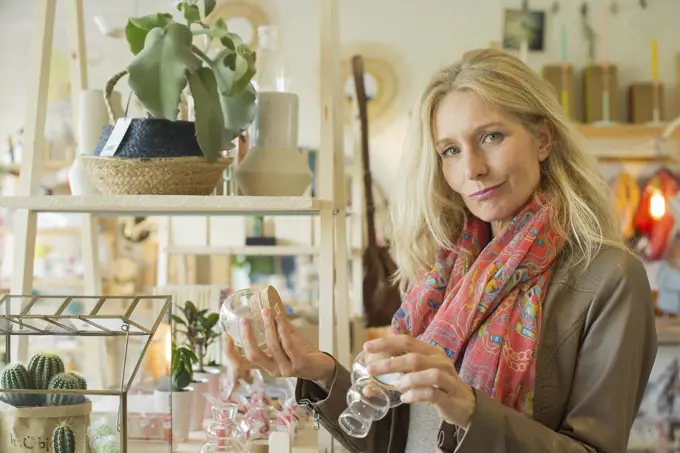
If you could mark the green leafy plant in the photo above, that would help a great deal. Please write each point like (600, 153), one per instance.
(181, 367)
(199, 328)
(166, 61)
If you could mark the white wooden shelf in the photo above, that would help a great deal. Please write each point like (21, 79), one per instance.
(166, 205)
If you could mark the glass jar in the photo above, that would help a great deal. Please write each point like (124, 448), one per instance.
(223, 434)
(272, 74)
(370, 397)
(244, 303)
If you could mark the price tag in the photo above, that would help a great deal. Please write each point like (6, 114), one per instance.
(116, 137)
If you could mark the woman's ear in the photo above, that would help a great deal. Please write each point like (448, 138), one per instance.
(544, 137)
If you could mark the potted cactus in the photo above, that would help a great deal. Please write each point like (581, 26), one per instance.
(34, 415)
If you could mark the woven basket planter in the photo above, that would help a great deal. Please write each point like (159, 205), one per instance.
(155, 157)
(158, 176)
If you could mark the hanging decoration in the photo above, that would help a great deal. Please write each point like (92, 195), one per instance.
(653, 219)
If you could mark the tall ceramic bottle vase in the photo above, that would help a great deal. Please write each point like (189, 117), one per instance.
(274, 166)
(93, 116)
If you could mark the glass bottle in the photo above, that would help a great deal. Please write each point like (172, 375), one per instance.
(272, 74)
(223, 434)
(370, 397)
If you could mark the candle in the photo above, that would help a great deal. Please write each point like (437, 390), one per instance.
(604, 34)
(564, 42)
(655, 61)
(524, 50)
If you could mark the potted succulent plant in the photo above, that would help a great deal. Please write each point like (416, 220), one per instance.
(166, 66)
(177, 390)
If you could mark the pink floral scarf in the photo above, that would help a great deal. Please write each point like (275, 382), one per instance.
(482, 303)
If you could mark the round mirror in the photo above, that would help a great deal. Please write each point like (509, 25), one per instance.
(380, 81)
(370, 83)
(242, 27)
(242, 18)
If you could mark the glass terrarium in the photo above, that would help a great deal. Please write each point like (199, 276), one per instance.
(248, 304)
(74, 369)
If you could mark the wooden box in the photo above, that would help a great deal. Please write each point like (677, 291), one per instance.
(594, 79)
(641, 103)
(554, 75)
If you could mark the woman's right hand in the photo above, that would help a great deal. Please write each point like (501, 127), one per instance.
(288, 353)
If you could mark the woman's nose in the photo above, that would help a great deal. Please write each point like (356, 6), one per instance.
(475, 165)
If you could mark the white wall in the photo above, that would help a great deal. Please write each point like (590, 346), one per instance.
(423, 34)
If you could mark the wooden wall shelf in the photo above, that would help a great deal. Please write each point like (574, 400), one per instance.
(623, 131)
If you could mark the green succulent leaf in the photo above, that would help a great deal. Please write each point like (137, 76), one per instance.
(210, 321)
(138, 27)
(191, 13)
(157, 75)
(209, 6)
(244, 68)
(239, 110)
(209, 119)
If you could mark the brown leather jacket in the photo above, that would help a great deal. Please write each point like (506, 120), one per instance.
(598, 345)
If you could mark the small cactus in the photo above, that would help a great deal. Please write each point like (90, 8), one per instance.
(63, 439)
(43, 367)
(70, 381)
(110, 447)
(98, 433)
(16, 376)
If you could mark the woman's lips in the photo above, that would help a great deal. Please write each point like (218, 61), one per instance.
(485, 193)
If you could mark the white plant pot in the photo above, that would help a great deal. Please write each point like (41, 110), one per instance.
(199, 403)
(182, 405)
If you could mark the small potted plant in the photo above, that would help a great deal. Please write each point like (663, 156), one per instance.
(177, 391)
(166, 66)
(198, 327)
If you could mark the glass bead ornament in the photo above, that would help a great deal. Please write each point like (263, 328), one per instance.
(370, 398)
(248, 304)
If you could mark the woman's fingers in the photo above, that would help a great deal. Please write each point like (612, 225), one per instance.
(433, 377)
(274, 345)
(286, 334)
(395, 345)
(408, 363)
(253, 352)
(424, 395)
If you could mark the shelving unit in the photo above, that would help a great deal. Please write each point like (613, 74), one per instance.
(623, 131)
(330, 206)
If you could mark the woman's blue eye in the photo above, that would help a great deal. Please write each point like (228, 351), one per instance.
(450, 151)
(493, 137)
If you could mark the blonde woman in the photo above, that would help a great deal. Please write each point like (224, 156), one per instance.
(526, 326)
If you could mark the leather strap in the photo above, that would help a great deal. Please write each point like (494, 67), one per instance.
(360, 89)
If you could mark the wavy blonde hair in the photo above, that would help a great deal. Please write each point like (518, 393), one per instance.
(427, 215)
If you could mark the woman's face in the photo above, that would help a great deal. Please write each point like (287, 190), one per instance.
(488, 156)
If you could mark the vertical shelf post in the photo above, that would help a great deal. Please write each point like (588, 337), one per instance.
(25, 220)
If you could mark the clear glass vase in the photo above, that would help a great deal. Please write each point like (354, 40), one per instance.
(272, 73)
(370, 397)
(223, 434)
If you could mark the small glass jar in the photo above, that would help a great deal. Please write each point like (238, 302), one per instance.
(244, 303)
(370, 397)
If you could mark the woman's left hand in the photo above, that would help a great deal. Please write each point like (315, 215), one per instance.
(428, 376)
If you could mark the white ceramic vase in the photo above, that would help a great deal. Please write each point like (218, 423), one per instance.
(274, 166)
(200, 387)
(181, 410)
